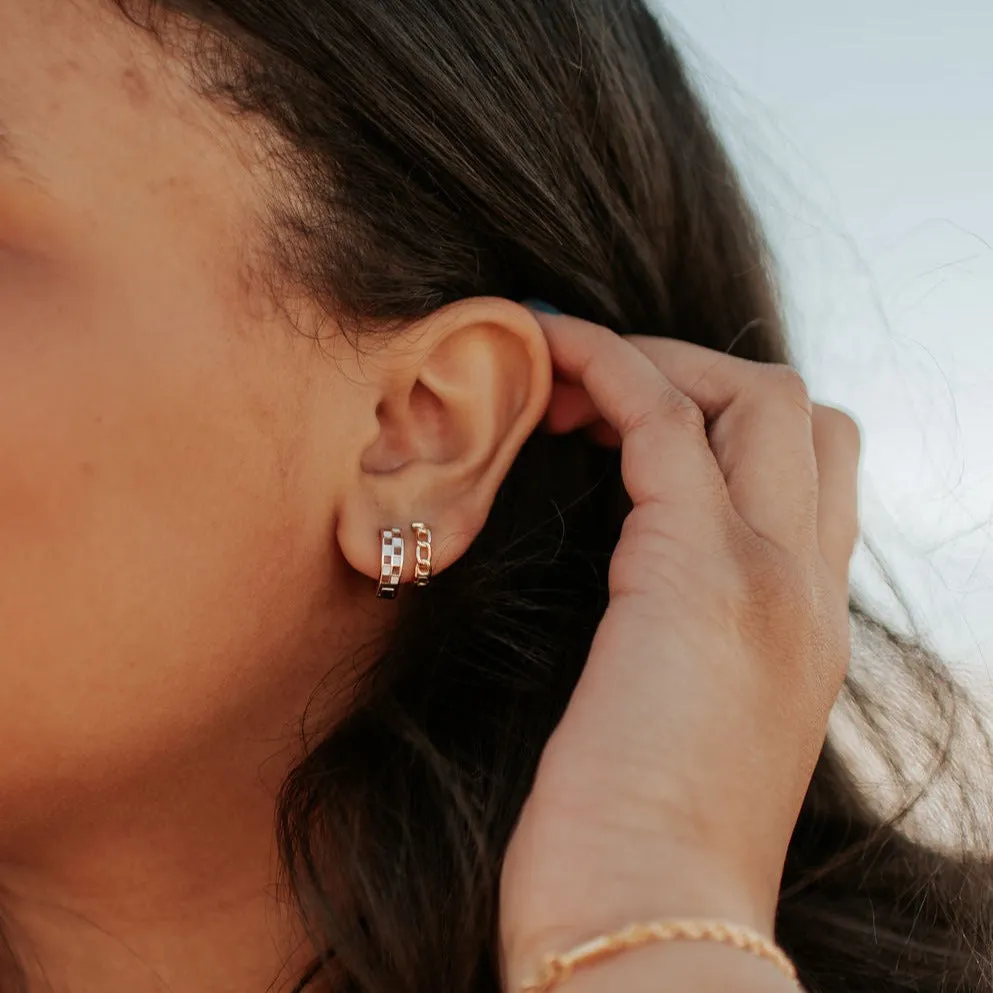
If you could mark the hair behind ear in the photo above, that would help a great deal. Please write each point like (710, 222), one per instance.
(506, 149)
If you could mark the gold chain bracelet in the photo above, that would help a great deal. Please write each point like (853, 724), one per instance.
(557, 969)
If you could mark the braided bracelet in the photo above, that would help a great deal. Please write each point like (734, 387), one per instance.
(557, 969)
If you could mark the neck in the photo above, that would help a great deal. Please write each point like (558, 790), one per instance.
(157, 871)
(175, 889)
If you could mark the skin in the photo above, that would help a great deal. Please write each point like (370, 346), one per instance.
(672, 785)
(189, 505)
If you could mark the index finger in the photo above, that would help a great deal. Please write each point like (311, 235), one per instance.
(665, 455)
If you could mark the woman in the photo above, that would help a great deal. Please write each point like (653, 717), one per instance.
(259, 266)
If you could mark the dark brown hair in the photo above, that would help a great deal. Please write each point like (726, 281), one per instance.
(442, 149)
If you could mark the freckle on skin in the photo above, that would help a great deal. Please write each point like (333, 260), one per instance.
(136, 86)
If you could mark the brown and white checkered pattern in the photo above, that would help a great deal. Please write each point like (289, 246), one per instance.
(391, 563)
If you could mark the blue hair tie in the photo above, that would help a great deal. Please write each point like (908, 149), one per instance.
(541, 305)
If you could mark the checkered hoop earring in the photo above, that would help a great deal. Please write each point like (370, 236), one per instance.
(390, 563)
(422, 553)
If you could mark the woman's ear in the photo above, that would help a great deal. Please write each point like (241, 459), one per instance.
(456, 396)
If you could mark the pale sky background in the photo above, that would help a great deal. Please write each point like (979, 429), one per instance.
(865, 133)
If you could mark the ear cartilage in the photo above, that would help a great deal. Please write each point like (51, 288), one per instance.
(390, 563)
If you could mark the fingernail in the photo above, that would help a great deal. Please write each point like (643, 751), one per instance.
(545, 308)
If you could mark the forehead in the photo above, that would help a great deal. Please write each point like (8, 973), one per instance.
(78, 63)
(50, 45)
(58, 67)
(99, 115)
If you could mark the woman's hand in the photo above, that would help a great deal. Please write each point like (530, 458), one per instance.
(672, 785)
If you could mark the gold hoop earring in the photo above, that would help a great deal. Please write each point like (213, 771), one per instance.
(390, 563)
(422, 553)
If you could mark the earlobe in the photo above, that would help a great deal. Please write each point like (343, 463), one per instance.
(458, 395)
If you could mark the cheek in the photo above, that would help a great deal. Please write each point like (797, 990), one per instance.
(151, 524)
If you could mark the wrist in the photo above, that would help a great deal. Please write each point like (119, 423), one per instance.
(707, 892)
(673, 967)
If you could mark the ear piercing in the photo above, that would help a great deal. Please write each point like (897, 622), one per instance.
(422, 553)
(391, 559)
(390, 563)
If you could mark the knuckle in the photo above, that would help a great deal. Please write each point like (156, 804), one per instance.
(670, 407)
(789, 384)
(841, 425)
(680, 409)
